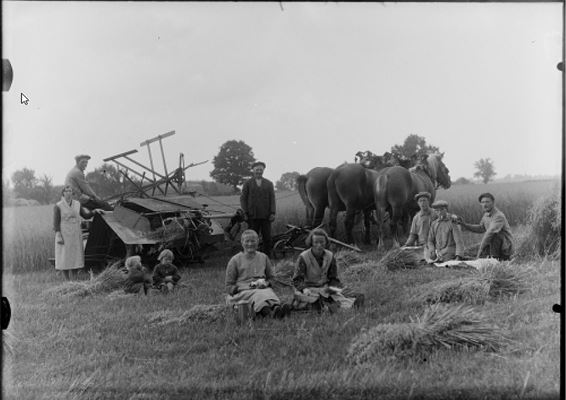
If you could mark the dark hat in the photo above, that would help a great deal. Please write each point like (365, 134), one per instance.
(440, 204)
(422, 194)
(486, 195)
(81, 156)
(258, 163)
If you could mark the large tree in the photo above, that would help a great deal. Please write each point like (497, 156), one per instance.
(232, 165)
(413, 147)
(44, 190)
(24, 181)
(485, 169)
(288, 181)
(107, 181)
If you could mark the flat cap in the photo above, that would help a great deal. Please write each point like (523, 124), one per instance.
(422, 194)
(81, 156)
(486, 195)
(440, 204)
(255, 164)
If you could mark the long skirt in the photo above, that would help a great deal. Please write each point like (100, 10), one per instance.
(258, 298)
(302, 300)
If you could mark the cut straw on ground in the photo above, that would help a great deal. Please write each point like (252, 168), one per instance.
(111, 279)
(197, 313)
(502, 279)
(457, 327)
(400, 258)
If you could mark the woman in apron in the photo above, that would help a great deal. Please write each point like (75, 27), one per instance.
(69, 250)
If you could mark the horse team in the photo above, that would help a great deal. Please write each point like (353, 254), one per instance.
(372, 184)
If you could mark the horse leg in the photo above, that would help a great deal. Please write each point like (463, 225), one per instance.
(367, 226)
(309, 213)
(382, 227)
(318, 216)
(396, 219)
(349, 224)
(332, 222)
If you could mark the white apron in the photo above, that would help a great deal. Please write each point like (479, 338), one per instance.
(70, 255)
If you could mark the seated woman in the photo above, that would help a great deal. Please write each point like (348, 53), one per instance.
(316, 277)
(247, 280)
(165, 274)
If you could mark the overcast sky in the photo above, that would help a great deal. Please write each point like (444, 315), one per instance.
(305, 86)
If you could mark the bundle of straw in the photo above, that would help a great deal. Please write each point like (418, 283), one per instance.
(112, 278)
(440, 326)
(459, 326)
(505, 280)
(492, 281)
(463, 290)
(346, 258)
(396, 259)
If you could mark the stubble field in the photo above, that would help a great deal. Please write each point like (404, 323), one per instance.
(140, 347)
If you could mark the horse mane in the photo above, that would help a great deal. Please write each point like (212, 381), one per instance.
(429, 167)
(433, 165)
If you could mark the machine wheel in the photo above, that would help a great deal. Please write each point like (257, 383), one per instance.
(280, 249)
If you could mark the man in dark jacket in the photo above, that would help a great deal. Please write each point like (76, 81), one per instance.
(258, 202)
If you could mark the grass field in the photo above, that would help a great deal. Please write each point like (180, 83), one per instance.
(137, 347)
(28, 236)
(105, 347)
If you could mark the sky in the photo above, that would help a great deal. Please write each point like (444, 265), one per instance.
(303, 84)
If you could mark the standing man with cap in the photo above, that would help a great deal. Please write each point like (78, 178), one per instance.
(258, 202)
(497, 241)
(81, 188)
(445, 236)
(418, 235)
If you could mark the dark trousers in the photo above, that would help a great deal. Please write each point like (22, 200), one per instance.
(91, 204)
(263, 228)
(495, 249)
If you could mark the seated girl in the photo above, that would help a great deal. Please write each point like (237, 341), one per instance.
(316, 277)
(248, 277)
(165, 274)
(138, 277)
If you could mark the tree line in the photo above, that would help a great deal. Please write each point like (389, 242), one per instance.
(231, 169)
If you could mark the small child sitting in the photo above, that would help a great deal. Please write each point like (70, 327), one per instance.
(138, 276)
(165, 274)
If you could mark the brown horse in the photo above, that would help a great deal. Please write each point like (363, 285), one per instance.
(312, 188)
(350, 189)
(395, 188)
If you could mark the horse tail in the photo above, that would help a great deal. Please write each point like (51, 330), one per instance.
(381, 205)
(301, 187)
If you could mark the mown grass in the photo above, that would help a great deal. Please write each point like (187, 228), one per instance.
(106, 347)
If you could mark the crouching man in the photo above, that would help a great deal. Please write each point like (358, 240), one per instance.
(248, 276)
(316, 277)
(497, 241)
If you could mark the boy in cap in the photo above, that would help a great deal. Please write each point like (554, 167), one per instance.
(445, 237)
(420, 225)
(497, 241)
(81, 188)
(258, 202)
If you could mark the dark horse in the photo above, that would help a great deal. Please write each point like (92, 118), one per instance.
(350, 189)
(312, 188)
(395, 188)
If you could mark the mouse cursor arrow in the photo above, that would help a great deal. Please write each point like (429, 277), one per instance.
(24, 99)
